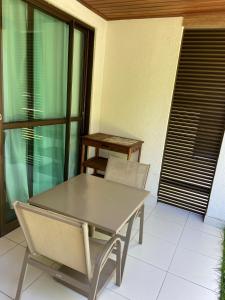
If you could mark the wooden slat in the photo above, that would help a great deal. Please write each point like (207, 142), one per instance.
(197, 122)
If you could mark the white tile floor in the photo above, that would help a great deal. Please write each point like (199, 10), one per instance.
(179, 260)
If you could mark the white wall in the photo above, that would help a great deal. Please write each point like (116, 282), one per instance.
(140, 67)
(216, 209)
(82, 13)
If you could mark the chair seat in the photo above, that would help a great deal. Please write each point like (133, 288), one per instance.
(96, 247)
(83, 284)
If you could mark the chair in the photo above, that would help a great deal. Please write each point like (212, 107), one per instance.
(130, 173)
(85, 265)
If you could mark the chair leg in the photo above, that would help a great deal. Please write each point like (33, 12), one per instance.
(22, 275)
(141, 229)
(94, 286)
(118, 264)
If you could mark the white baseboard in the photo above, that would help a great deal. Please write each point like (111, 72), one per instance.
(214, 222)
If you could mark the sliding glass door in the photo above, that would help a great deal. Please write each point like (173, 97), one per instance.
(44, 89)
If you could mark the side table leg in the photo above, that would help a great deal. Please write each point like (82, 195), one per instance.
(139, 154)
(129, 155)
(96, 155)
(82, 159)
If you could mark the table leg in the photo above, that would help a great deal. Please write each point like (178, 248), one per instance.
(142, 213)
(91, 230)
(126, 243)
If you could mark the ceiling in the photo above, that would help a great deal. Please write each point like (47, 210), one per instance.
(132, 9)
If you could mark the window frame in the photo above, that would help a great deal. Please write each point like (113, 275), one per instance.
(84, 112)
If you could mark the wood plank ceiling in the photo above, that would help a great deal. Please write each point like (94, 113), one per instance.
(132, 9)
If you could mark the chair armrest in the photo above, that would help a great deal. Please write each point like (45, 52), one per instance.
(107, 250)
(101, 261)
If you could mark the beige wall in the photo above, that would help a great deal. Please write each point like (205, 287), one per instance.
(139, 74)
(79, 11)
(139, 60)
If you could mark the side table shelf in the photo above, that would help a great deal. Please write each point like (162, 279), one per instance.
(96, 163)
(107, 142)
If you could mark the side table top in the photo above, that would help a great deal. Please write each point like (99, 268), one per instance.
(112, 140)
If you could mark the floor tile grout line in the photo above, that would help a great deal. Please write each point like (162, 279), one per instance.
(199, 230)
(161, 269)
(146, 218)
(3, 293)
(168, 272)
(11, 240)
(157, 267)
(170, 222)
(149, 233)
(175, 251)
(191, 250)
(185, 279)
(36, 279)
(165, 271)
(9, 250)
(162, 285)
(178, 242)
(160, 238)
(115, 292)
(200, 253)
(147, 263)
(196, 228)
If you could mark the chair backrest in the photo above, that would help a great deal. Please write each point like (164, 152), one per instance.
(127, 172)
(62, 239)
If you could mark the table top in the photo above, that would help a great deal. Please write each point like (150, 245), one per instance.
(99, 202)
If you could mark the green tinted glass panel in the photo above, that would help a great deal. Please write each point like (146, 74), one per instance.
(33, 157)
(78, 54)
(49, 155)
(14, 23)
(50, 66)
(16, 171)
(74, 150)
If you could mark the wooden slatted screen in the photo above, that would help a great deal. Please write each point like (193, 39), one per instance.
(197, 119)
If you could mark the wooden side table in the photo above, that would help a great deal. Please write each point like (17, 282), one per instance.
(107, 142)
